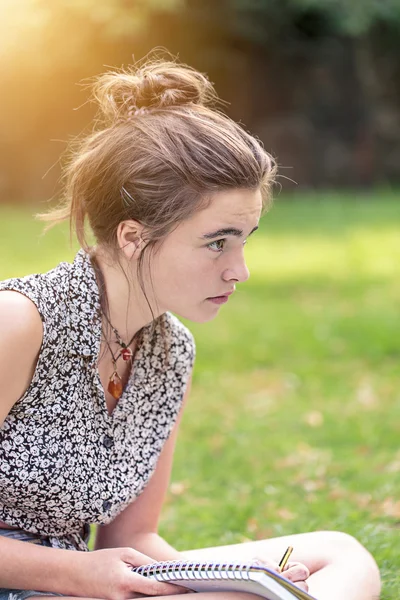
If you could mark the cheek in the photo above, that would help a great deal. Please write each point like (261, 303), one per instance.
(192, 274)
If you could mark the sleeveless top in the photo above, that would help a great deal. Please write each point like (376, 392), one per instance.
(64, 461)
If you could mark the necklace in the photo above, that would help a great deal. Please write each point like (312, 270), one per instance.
(115, 387)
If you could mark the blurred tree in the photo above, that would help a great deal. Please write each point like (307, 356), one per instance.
(318, 80)
(45, 48)
(306, 75)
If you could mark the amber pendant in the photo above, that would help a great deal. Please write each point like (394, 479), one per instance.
(126, 354)
(115, 386)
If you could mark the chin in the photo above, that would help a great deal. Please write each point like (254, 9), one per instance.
(202, 319)
(199, 316)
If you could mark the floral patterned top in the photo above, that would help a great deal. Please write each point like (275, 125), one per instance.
(65, 462)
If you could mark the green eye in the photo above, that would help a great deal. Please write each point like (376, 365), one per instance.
(217, 246)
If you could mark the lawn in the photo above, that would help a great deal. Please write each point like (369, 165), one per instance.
(294, 421)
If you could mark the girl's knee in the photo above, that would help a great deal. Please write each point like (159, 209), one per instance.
(342, 547)
(341, 544)
(347, 550)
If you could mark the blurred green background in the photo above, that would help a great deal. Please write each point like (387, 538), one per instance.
(317, 80)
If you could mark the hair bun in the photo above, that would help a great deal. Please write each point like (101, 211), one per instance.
(156, 84)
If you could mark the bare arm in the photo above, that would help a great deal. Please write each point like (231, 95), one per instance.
(137, 525)
(101, 574)
(34, 567)
(21, 334)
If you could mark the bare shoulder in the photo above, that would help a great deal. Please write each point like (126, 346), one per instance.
(19, 312)
(21, 334)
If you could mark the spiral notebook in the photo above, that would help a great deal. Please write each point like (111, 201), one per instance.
(224, 577)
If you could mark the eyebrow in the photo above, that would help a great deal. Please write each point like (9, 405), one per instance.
(226, 231)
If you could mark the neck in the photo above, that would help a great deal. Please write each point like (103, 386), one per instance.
(127, 308)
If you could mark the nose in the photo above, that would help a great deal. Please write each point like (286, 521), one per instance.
(238, 271)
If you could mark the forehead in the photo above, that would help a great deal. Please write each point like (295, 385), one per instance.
(230, 208)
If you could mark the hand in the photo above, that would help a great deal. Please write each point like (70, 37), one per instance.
(108, 574)
(295, 572)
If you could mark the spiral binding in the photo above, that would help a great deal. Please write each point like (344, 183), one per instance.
(174, 569)
(186, 571)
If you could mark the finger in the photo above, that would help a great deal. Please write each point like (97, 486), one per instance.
(291, 565)
(134, 558)
(302, 585)
(151, 587)
(296, 572)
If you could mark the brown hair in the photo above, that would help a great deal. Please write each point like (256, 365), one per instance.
(159, 149)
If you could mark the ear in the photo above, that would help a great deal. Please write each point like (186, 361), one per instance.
(129, 238)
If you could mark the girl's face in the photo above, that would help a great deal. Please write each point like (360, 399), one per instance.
(201, 261)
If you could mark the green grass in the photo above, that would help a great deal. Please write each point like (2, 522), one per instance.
(294, 421)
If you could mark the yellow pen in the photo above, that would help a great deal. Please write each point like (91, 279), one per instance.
(285, 558)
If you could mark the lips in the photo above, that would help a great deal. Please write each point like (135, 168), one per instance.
(221, 295)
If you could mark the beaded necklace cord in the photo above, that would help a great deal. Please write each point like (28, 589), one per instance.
(115, 387)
